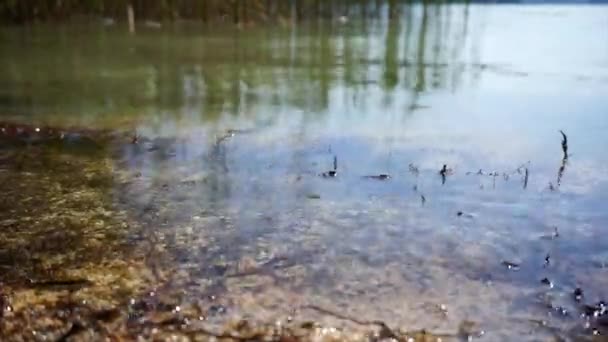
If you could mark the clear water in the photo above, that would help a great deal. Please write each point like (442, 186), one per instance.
(474, 87)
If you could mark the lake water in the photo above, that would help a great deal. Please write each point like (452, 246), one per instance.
(220, 205)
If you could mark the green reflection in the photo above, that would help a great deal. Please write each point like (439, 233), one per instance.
(104, 77)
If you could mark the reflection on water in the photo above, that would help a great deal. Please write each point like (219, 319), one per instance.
(194, 70)
(207, 178)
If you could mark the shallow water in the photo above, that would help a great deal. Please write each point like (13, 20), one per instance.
(193, 211)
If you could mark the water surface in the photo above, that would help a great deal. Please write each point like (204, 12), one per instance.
(194, 210)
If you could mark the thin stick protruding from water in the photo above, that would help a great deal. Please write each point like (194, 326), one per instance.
(564, 144)
(335, 163)
(562, 167)
(443, 172)
(526, 177)
(560, 171)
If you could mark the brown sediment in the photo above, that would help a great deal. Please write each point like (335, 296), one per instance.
(129, 248)
(66, 237)
(59, 284)
(267, 267)
(22, 131)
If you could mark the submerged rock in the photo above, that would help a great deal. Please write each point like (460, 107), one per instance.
(578, 294)
(330, 174)
(546, 281)
(510, 265)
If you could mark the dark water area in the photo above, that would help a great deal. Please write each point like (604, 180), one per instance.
(211, 174)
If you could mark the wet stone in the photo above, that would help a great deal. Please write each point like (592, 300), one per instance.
(330, 174)
(510, 265)
(216, 310)
(598, 310)
(578, 294)
(220, 269)
(546, 281)
(561, 311)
